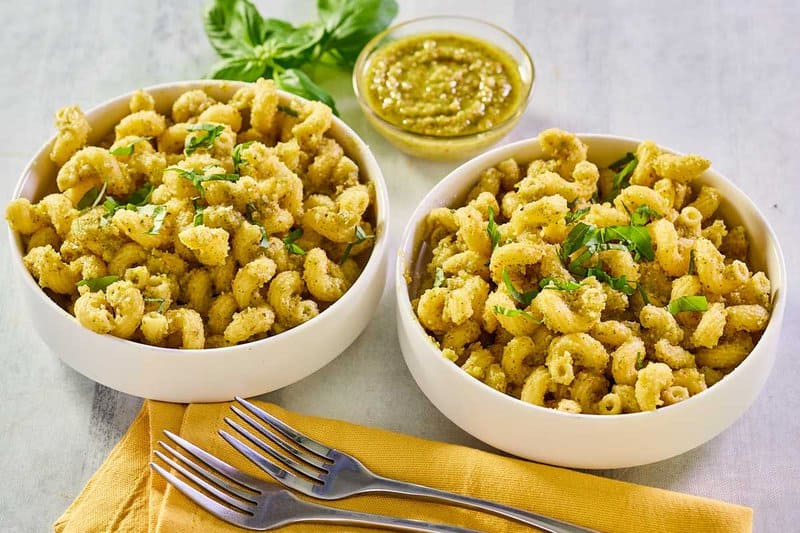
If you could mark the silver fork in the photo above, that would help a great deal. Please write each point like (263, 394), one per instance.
(329, 474)
(251, 503)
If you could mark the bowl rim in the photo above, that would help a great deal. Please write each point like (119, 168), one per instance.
(371, 46)
(473, 167)
(369, 271)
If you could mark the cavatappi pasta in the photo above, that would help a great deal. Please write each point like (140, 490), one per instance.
(216, 224)
(591, 290)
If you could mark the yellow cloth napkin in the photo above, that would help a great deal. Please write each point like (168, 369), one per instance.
(125, 497)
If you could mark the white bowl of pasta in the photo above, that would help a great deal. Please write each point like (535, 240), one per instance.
(587, 317)
(187, 225)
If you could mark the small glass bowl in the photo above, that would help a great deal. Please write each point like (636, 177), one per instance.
(444, 148)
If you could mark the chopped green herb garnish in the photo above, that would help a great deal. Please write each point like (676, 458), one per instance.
(525, 298)
(128, 149)
(92, 197)
(289, 242)
(620, 163)
(195, 142)
(688, 303)
(622, 176)
(251, 210)
(141, 195)
(198, 179)
(618, 284)
(288, 110)
(642, 215)
(360, 236)
(499, 310)
(97, 284)
(198, 212)
(691, 263)
(157, 213)
(559, 284)
(160, 301)
(438, 278)
(642, 293)
(572, 217)
(237, 155)
(491, 229)
(639, 360)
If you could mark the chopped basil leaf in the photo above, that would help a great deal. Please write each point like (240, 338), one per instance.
(128, 149)
(491, 229)
(195, 142)
(141, 195)
(198, 213)
(198, 179)
(642, 293)
(157, 213)
(576, 239)
(438, 278)
(92, 197)
(237, 155)
(576, 216)
(361, 236)
(688, 303)
(639, 360)
(622, 178)
(97, 284)
(289, 242)
(288, 110)
(559, 284)
(642, 215)
(499, 310)
(618, 284)
(525, 298)
(620, 163)
(691, 263)
(160, 301)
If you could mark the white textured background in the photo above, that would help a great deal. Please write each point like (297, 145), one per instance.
(718, 78)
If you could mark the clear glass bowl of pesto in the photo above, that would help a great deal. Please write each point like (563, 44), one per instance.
(443, 87)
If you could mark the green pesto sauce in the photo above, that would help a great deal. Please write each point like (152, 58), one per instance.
(443, 84)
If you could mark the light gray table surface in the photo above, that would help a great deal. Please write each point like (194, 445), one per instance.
(717, 78)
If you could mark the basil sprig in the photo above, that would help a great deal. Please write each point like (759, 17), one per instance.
(252, 47)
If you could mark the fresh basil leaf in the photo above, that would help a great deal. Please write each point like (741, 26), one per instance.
(620, 163)
(288, 110)
(622, 178)
(576, 216)
(237, 155)
(160, 301)
(559, 284)
(290, 242)
(195, 142)
(97, 284)
(128, 149)
(141, 196)
(297, 82)
(499, 310)
(350, 24)
(636, 238)
(157, 213)
(640, 361)
(218, 20)
(525, 298)
(618, 284)
(198, 179)
(90, 198)
(492, 230)
(247, 22)
(293, 47)
(438, 278)
(360, 236)
(576, 239)
(642, 215)
(688, 303)
(241, 68)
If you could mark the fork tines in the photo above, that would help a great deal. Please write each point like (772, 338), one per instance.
(223, 490)
(303, 456)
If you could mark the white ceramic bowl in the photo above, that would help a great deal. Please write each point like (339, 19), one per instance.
(216, 374)
(586, 441)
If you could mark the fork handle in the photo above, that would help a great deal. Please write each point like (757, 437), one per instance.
(545, 523)
(320, 513)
